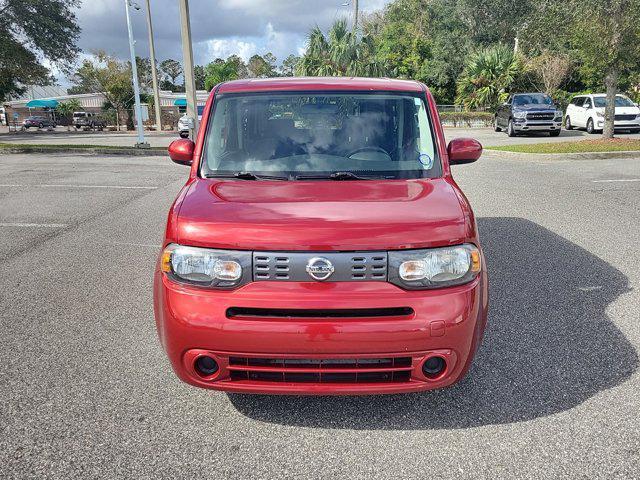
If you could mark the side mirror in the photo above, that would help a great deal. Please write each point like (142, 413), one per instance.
(463, 150)
(181, 151)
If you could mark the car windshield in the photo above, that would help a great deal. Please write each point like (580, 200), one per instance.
(298, 135)
(601, 102)
(532, 99)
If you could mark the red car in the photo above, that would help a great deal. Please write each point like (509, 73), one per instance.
(320, 244)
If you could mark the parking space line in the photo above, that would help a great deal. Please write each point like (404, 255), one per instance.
(617, 180)
(61, 185)
(34, 225)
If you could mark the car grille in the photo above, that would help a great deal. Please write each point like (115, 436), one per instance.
(349, 266)
(306, 370)
(625, 117)
(541, 116)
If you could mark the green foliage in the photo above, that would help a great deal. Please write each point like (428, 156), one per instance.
(220, 71)
(262, 66)
(340, 53)
(467, 119)
(289, 65)
(488, 77)
(30, 32)
(170, 70)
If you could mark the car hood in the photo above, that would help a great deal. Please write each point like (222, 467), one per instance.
(536, 107)
(322, 215)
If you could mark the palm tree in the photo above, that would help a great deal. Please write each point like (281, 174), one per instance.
(340, 53)
(488, 76)
(66, 109)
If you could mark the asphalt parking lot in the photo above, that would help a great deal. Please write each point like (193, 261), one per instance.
(86, 391)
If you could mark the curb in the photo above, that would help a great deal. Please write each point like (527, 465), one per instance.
(565, 156)
(84, 150)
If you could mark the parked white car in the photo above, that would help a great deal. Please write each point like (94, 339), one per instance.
(587, 111)
(184, 123)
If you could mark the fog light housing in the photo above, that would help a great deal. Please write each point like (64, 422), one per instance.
(206, 366)
(433, 366)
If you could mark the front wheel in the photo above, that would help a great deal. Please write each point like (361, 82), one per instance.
(40, 125)
(496, 127)
(590, 128)
(567, 124)
(510, 129)
(554, 133)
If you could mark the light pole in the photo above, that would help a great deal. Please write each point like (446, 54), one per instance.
(134, 73)
(187, 54)
(355, 16)
(154, 73)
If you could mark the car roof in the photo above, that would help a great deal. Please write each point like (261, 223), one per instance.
(319, 83)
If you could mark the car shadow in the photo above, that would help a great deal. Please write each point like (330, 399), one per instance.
(549, 345)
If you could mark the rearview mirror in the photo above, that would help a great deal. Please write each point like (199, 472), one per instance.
(181, 151)
(463, 150)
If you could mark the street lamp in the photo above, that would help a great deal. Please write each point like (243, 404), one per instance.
(154, 73)
(134, 73)
(187, 56)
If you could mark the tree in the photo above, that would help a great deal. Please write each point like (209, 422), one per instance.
(200, 77)
(145, 79)
(31, 32)
(171, 70)
(289, 65)
(220, 71)
(111, 77)
(552, 69)
(488, 76)
(66, 109)
(340, 53)
(262, 66)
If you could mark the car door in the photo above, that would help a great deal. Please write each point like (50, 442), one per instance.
(586, 111)
(504, 112)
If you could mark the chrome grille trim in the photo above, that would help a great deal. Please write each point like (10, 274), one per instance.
(291, 266)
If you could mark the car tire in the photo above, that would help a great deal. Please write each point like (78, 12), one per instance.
(554, 133)
(496, 128)
(40, 125)
(590, 127)
(184, 134)
(510, 129)
(567, 124)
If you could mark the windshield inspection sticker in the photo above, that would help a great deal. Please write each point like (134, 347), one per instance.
(425, 160)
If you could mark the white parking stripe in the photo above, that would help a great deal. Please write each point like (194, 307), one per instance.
(617, 180)
(34, 225)
(131, 187)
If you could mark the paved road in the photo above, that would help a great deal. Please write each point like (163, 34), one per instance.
(486, 136)
(86, 392)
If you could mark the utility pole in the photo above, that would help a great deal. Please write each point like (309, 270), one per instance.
(187, 58)
(134, 73)
(355, 16)
(154, 73)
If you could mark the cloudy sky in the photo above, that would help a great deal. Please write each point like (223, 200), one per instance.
(219, 27)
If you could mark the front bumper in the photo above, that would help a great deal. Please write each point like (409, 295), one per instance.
(536, 126)
(192, 322)
(621, 124)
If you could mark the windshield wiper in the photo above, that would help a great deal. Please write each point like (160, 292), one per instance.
(246, 176)
(337, 176)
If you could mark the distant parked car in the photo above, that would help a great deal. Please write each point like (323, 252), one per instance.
(587, 111)
(183, 123)
(529, 112)
(88, 120)
(38, 122)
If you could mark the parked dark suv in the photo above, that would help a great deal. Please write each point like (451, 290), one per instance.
(529, 112)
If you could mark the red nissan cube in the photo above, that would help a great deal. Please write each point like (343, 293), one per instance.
(321, 244)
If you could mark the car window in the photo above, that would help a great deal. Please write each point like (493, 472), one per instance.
(532, 99)
(290, 134)
(601, 102)
(587, 103)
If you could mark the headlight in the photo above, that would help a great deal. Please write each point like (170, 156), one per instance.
(519, 114)
(206, 267)
(434, 268)
(559, 114)
(600, 114)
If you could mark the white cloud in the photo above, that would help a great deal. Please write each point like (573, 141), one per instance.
(223, 47)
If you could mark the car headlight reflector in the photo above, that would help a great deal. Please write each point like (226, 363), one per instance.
(519, 114)
(206, 267)
(600, 114)
(434, 268)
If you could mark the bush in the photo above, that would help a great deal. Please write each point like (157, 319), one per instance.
(467, 119)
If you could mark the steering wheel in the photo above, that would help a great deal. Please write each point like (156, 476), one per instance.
(369, 149)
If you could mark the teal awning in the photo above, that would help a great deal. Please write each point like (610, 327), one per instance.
(42, 104)
(180, 102)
